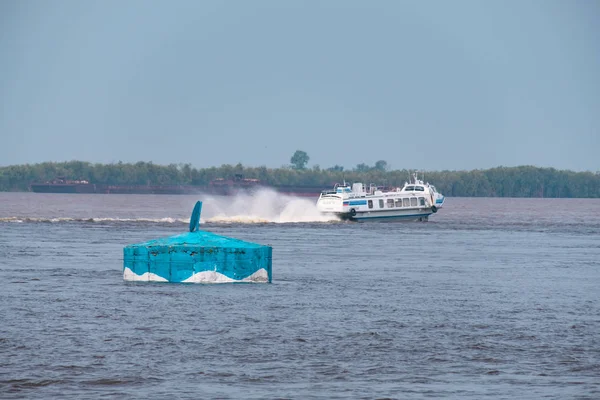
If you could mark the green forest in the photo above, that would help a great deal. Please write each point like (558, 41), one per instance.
(521, 181)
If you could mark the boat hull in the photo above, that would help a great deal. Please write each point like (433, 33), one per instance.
(387, 216)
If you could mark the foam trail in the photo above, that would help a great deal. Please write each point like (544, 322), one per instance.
(53, 220)
(263, 206)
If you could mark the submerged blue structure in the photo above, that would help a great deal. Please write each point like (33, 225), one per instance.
(197, 257)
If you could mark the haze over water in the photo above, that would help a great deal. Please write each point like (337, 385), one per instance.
(491, 297)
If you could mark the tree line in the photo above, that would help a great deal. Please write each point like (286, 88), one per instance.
(521, 181)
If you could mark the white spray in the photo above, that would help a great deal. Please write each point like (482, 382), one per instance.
(265, 205)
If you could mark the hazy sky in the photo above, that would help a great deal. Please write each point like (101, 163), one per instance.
(420, 84)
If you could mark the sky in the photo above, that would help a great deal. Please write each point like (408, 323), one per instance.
(429, 85)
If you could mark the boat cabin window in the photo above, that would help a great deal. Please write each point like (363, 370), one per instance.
(370, 203)
(421, 201)
(409, 188)
(405, 202)
(390, 203)
(413, 201)
(380, 203)
(398, 202)
(419, 188)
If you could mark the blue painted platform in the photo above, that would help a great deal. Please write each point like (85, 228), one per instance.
(197, 257)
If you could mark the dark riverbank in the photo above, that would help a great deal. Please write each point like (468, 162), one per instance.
(142, 177)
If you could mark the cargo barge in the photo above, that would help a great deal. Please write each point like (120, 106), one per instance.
(219, 187)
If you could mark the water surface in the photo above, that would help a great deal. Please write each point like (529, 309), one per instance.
(491, 297)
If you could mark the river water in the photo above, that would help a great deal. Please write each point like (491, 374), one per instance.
(494, 298)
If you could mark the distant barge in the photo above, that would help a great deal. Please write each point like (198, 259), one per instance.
(219, 187)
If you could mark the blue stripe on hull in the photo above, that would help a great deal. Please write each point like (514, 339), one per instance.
(355, 203)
